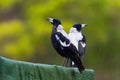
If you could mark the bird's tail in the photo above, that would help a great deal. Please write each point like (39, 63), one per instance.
(78, 63)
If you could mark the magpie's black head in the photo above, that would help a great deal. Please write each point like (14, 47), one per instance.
(54, 22)
(79, 26)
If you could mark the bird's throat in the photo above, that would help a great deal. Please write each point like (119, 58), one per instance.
(54, 29)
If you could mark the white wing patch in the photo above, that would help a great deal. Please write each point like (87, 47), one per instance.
(62, 43)
(83, 44)
(57, 37)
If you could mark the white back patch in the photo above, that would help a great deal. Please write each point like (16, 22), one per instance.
(75, 37)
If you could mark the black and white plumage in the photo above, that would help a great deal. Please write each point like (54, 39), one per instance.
(78, 38)
(62, 43)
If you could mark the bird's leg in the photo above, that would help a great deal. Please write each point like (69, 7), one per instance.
(67, 61)
(64, 62)
(69, 64)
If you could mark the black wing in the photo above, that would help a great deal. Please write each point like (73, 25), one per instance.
(84, 38)
(81, 48)
(75, 57)
(62, 38)
(56, 38)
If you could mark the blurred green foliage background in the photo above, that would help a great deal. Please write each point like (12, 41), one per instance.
(25, 32)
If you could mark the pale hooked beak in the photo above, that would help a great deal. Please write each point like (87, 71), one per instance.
(84, 25)
(50, 20)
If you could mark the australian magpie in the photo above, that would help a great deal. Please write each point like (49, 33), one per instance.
(78, 39)
(63, 45)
